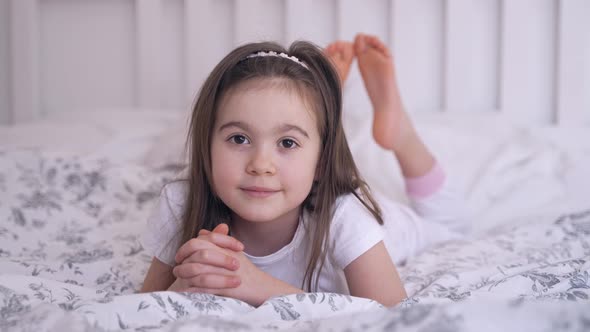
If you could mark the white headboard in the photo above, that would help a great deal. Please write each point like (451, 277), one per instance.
(529, 59)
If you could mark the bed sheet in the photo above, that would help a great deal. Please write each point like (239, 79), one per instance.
(70, 259)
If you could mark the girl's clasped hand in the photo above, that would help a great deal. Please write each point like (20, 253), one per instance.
(214, 263)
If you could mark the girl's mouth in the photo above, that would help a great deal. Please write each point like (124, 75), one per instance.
(259, 192)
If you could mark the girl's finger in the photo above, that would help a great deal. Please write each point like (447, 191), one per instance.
(218, 239)
(224, 241)
(221, 229)
(190, 270)
(221, 238)
(214, 281)
(190, 247)
(213, 257)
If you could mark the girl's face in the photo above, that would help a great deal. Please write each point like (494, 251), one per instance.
(264, 151)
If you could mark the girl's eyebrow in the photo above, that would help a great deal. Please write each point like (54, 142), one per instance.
(281, 129)
(287, 127)
(238, 124)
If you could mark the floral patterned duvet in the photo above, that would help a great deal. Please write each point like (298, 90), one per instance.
(70, 260)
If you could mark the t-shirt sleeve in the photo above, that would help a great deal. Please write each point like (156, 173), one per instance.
(353, 232)
(161, 238)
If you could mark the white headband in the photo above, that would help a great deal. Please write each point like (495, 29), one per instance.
(282, 55)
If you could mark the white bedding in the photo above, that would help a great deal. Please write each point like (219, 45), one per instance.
(70, 259)
(75, 193)
(121, 135)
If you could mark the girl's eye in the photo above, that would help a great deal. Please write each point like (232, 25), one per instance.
(239, 139)
(288, 143)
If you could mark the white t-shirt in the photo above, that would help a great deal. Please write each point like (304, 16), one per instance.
(353, 231)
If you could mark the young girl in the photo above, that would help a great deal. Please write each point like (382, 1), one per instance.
(273, 203)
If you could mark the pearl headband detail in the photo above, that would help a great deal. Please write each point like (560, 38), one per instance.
(282, 55)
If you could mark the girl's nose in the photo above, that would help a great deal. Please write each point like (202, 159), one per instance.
(261, 163)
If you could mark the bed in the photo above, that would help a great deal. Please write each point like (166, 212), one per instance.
(83, 158)
(71, 218)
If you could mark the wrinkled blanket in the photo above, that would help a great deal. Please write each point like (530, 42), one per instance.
(70, 260)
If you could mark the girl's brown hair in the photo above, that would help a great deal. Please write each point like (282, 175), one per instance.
(319, 85)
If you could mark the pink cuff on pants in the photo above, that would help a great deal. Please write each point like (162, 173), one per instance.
(427, 184)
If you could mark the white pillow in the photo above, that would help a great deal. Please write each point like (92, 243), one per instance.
(169, 145)
(120, 135)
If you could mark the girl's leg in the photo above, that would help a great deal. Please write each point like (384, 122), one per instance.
(437, 214)
(392, 128)
(408, 233)
(341, 53)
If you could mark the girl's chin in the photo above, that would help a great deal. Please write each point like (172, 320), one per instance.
(257, 215)
(255, 218)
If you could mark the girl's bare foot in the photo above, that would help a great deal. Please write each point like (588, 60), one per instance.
(391, 125)
(341, 54)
